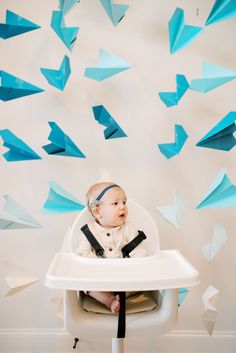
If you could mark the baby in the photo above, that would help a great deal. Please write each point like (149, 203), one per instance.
(107, 203)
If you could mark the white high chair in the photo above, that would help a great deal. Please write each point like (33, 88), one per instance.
(167, 270)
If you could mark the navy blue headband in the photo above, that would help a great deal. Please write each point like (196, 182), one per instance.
(105, 190)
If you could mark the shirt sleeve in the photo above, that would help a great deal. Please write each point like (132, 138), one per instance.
(84, 248)
(131, 233)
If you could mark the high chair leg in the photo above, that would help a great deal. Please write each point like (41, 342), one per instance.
(76, 340)
(118, 345)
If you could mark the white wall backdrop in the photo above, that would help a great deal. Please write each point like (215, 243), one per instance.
(135, 162)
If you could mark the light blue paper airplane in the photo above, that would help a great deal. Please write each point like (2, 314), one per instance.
(15, 25)
(171, 149)
(173, 213)
(221, 10)
(61, 144)
(219, 238)
(108, 66)
(180, 35)
(12, 87)
(18, 150)
(67, 5)
(68, 35)
(58, 78)
(113, 130)
(173, 98)
(13, 216)
(221, 137)
(182, 293)
(60, 201)
(212, 76)
(221, 194)
(115, 11)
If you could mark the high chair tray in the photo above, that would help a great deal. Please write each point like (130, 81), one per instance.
(167, 269)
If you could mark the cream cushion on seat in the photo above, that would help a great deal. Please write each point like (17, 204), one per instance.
(136, 302)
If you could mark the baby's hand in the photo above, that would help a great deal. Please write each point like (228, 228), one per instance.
(115, 304)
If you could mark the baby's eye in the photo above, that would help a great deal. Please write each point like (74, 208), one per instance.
(124, 202)
(115, 203)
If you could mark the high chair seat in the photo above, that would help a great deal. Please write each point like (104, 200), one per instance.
(162, 269)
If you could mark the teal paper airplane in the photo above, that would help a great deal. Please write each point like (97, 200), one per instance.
(61, 144)
(12, 87)
(68, 35)
(108, 66)
(182, 293)
(58, 78)
(221, 137)
(15, 25)
(60, 201)
(113, 130)
(221, 194)
(13, 216)
(18, 150)
(67, 5)
(221, 10)
(212, 76)
(171, 149)
(180, 34)
(173, 98)
(115, 11)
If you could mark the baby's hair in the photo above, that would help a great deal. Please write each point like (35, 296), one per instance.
(93, 192)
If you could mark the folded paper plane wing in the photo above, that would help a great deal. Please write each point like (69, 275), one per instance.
(109, 65)
(15, 25)
(60, 201)
(115, 11)
(113, 130)
(180, 34)
(61, 144)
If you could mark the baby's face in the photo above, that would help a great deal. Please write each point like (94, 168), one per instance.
(112, 211)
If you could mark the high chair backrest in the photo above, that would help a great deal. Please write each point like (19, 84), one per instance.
(136, 214)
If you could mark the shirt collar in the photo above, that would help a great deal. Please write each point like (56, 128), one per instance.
(100, 228)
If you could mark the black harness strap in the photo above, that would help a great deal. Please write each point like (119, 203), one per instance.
(126, 250)
(121, 319)
(93, 241)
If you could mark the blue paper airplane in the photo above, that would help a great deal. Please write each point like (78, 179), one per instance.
(58, 78)
(109, 65)
(221, 10)
(68, 35)
(60, 201)
(12, 87)
(15, 25)
(113, 130)
(171, 149)
(212, 76)
(182, 293)
(173, 98)
(13, 216)
(115, 11)
(221, 137)
(180, 35)
(61, 144)
(222, 193)
(67, 5)
(18, 150)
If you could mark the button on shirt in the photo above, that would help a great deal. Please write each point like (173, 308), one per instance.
(112, 241)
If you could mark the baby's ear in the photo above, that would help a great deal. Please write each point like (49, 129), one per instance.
(95, 212)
